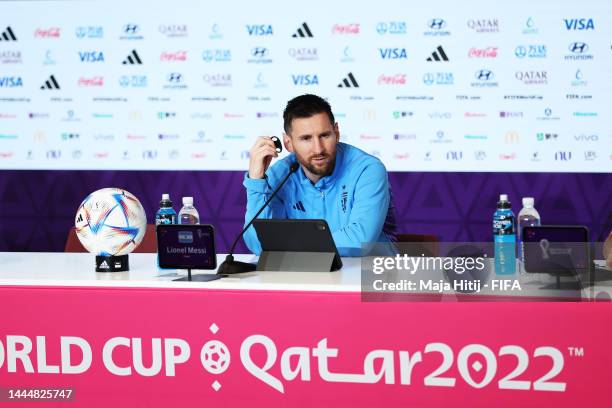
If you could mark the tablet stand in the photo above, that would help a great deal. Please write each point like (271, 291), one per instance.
(292, 261)
(198, 278)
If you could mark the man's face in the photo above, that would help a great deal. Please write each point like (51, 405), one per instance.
(313, 140)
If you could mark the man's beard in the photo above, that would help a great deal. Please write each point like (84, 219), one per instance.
(320, 171)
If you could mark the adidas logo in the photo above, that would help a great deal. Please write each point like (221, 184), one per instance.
(50, 83)
(8, 35)
(349, 82)
(80, 219)
(132, 59)
(104, 265)
(438, 55)
(303, 32)
(299, 206)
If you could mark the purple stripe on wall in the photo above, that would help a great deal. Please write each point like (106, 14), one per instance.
(37, 207)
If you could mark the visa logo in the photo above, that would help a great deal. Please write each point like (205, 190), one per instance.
(91, 56)
(393, 53)
(305, 79)
(579, 24)
(10, 82)
(259, 29)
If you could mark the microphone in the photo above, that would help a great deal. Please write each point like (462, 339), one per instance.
(230, 266)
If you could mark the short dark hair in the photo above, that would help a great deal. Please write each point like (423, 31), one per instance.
(305, 106)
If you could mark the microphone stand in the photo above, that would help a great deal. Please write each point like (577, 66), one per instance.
(230, 266)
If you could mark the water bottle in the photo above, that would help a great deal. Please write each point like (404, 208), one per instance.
(166, 214)
(527, 217)
(504, 237)
(188, 214)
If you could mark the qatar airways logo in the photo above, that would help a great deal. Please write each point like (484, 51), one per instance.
(52, 32)
(484, 25)
(473, 365)
(178, 56)
(352, 28)
(487, 52)
(397, 79)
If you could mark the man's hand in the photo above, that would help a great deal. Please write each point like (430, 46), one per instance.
(261, 153)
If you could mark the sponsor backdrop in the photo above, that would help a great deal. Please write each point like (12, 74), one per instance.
(184, 86)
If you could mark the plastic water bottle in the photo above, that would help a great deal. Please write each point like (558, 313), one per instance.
(188, 214)
(166, 214)
(527, 217)
(504, 237)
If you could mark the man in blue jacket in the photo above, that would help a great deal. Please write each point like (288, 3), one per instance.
(336, 182)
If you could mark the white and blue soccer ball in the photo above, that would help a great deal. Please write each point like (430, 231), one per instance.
(110, 222)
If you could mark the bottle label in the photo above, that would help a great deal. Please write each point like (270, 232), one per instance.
(503, 226)
(164, 219)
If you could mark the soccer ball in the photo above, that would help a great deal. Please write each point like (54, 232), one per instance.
(215, 357)
(110, 222)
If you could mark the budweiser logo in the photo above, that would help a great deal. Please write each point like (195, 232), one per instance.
(398, 79)
(489, 52)
(174, 56)
(53, 32)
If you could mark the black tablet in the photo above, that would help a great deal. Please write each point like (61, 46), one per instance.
(297, 236)
(556, 249)
(186, 246)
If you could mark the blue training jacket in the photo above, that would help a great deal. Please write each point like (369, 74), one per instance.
(355, 200)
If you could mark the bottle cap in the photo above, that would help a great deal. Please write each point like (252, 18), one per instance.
(187, 200)
(165, 196)
(528, 201)
(503, 197)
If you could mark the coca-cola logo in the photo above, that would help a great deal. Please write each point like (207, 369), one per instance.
(488, 52)
(345, 28)
(397, 79)
(93, 81)
(174, 56)
(53, 32)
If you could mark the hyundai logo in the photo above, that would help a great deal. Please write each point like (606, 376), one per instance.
(578, 47)
(436, 24)
(484, 75)
(259, 52)
(131, 28)
(175, 77)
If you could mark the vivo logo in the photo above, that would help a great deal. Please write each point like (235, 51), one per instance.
(259, 29)
(393, 53)
(586, 138)
(579, 24)
(91, 56)
(305, 79)
(10, 82)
